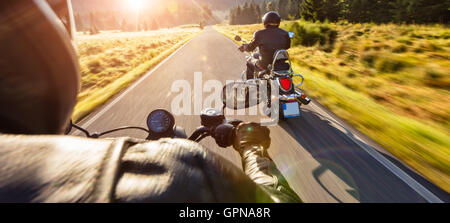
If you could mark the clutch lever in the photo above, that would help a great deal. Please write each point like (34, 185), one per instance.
(199, 134)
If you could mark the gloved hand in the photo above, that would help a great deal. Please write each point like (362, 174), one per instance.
(243, 47)
(249, 134)
(252, 141)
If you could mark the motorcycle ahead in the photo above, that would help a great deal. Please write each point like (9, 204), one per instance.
(280, 73)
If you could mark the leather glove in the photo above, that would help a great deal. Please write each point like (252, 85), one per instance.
(243, 47)
(252, 141)
(250, 134)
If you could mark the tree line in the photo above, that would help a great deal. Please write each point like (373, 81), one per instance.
(377, 11)
(248, 13)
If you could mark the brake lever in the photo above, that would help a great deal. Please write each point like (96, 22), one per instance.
(202, 137)
(234, 122)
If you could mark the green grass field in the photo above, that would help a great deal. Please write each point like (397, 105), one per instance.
(110, 61)
(390, 81)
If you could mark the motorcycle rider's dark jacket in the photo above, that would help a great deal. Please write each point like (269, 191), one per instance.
(39, 81)
(269, 40)
(71, 169)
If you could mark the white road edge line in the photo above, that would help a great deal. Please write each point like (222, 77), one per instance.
(135, 84)
(411, 182)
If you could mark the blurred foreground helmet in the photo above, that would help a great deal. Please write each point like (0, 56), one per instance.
(272, 19)
(39, 71)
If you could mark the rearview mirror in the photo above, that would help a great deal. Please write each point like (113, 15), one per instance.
(291, 35)
(239, 95)
(237, 38)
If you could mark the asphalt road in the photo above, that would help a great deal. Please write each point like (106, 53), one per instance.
(323, 158)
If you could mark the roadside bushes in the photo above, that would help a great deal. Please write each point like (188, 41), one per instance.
(436, 78)
(310, 34)
(91, 50)
(369, 59)
(384, 63)
(95, 66)
(390, 65)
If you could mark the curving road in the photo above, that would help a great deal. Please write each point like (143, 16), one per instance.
(323, 158)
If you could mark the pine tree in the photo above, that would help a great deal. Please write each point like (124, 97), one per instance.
(282, 9)
(79, 22)
(239, 15)
(258, 14)
(368, 10)
(109, 20)
(321, 10)
(433, 11)
(255, 14)
(232, 16)
(270, 7)
(293, 9)
(331, 10)
(262, 7)
(124, 25)
(246, 14)
(93, 26)
(154, 25)
(420, 11)
(309, 9)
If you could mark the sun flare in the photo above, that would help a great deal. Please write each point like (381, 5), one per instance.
(135, 5)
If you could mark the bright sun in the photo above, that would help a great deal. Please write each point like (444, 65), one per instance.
(135, 5)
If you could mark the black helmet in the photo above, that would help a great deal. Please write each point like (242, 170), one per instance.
(272, 19)
(39, 70)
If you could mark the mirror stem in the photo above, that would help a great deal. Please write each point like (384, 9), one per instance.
(81, 129)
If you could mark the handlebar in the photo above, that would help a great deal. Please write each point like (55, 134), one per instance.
(303, 79)
(96, 135)
(219, 128)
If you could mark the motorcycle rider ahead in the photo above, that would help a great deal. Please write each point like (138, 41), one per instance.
(39, 82)
(268, 40)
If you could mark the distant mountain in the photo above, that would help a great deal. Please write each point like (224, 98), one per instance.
(151, 14)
